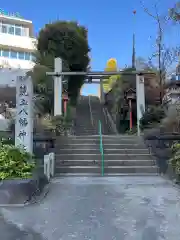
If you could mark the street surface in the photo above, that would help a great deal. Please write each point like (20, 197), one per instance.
(114, 208)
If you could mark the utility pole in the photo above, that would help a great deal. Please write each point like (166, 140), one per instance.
(133, 49)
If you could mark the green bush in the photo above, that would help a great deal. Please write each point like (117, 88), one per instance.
(58, 123)
(62, 124)
(15, 163)
(175, 160)
(152, 116)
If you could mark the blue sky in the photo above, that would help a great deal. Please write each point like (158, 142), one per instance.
(110, 25)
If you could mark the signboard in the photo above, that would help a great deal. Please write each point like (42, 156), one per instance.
(24, 113)
(65, 96)
(141, 79)
(8, 14)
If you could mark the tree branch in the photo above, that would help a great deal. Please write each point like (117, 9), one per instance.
(146, 10)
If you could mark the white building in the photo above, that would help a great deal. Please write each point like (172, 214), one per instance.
(17, 42)
(17, 45)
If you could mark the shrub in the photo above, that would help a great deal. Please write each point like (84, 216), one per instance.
(15, 163)
(152, 116)
(172, 120)
(59, 124)
(6, 140)
(175, 160)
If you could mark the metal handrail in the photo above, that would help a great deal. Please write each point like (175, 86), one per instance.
(101, 148)
(109, 121)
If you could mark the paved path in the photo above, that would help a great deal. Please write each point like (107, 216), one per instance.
(9, 231)
(124, 208)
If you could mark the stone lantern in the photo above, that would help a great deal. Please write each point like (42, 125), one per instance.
(65, 101)
(130, 95)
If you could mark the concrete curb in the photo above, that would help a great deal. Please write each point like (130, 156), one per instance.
(171, 181)
(34, 200)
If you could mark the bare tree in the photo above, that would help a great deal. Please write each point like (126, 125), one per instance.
(175, 12)
(164, 55)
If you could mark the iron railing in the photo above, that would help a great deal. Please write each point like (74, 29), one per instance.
(109, 121)
(101, 149)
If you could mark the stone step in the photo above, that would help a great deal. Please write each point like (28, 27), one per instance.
(96, 145)
(96, 136)
(78, 151)
(106, 151)
(106, 163)
(111, 137)
(108, 170)
(85, 128)
(84, 139)
(84, 133)
(97, 156)
(59, 176)
(82, 130)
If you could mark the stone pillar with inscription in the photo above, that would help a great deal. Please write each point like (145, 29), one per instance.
(24, 113)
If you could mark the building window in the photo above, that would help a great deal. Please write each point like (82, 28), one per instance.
(17, 55)
(27, 56)
(5, 53)
(33, 58)
(4, 28)
(25, 32)
(21, 55)
(18, 31)
(11, 29)
(13, 54)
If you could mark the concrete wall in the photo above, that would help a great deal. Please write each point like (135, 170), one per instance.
(4, 123)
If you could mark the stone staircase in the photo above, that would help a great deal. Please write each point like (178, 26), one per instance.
(99, 114)
(79, 155)
(83, 124)
(88, 113)
(123, 155)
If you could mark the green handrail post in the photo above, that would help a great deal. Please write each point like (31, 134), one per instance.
(101, 149)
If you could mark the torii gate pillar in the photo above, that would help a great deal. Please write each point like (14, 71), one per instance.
(140, 100)
(57, 87)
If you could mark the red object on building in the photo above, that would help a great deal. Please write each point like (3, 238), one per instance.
(65, 101)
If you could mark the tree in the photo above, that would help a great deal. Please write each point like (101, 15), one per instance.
(165, 56)
(67, 40)
(125, 82)
(111, 66)
(118, 104)
(175, 12)
(118, 88)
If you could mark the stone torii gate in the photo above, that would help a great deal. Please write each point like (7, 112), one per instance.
(58, 74)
